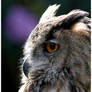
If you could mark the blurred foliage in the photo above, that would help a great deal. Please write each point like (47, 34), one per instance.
(12, 52)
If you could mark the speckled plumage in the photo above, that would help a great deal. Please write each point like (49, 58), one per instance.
(67, 70)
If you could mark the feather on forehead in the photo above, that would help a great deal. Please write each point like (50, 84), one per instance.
(49, 21)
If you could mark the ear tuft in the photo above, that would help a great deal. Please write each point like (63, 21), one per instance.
(49, 13)
(73, 17)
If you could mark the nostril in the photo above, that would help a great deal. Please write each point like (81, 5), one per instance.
(26, 68)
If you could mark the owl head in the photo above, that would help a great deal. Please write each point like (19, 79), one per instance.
(58, 49)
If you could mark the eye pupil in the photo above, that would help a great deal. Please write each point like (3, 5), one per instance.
(52, 46)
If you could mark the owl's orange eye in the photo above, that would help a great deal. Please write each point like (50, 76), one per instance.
(51, 46)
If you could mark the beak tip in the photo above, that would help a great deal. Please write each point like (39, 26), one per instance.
(25, 68)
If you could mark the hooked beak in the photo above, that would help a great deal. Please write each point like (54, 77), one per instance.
(26, 68)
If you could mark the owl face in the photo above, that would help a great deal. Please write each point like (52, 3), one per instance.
(58, 49)
(48, 52)
(52, 50)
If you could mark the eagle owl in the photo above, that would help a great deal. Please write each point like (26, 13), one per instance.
(57, 53)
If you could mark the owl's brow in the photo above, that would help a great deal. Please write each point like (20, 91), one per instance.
(58, 34)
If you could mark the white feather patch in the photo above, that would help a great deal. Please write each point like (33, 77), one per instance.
(80, 28)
